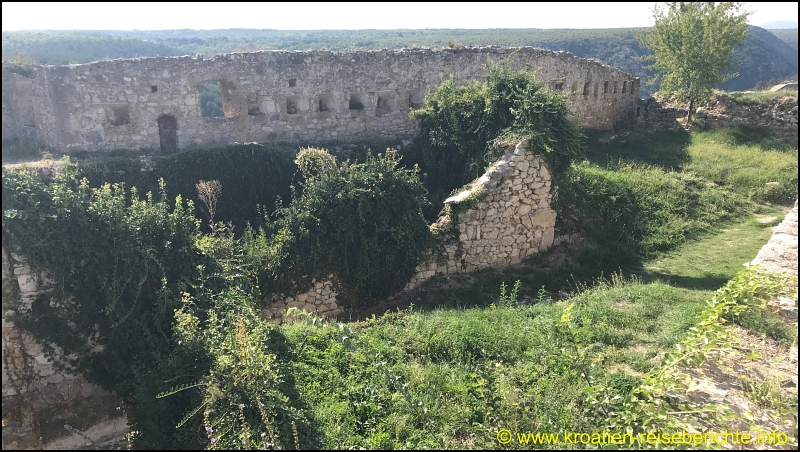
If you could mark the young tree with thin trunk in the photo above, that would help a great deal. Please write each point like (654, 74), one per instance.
(692, 45)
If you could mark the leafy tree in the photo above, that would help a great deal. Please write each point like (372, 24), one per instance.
(693, 46)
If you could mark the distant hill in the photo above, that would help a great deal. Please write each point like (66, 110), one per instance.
(787, 35)
(763, 56)
(779, 24)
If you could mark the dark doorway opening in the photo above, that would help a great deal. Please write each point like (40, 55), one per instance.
(168, 133)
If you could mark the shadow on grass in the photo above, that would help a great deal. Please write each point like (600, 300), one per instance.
(666, 149)
(708, 282)
(753, 136)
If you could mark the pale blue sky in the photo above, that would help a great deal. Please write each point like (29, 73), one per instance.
(309, 16)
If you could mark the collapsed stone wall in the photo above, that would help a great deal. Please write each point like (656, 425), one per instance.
(779, 115)
(500, 218)
(504, 216)
(37, 394)
(313, 96)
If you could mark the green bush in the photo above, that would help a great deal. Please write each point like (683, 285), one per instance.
(458, 124)
(362, 222)
(118, 265)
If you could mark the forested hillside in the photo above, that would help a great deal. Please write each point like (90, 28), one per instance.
(788, 35)
(763, 56)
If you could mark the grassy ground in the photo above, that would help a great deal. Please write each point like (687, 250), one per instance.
(451, 377)
(456, 362)
(746, 161)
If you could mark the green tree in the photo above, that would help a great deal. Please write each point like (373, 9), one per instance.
(693, 46)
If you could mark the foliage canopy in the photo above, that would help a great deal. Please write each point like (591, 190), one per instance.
(693, 45)
(362, 222)
(459, 124)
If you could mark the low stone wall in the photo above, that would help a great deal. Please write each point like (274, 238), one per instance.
(36, 394)
(501, 218)
(321, 298)
(779, 115)
(780, 253)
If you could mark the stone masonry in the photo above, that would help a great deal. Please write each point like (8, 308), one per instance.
(778, 115)
(312, 96)
(503, 217)
(511, 218)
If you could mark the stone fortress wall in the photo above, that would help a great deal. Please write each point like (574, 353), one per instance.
(294, 96)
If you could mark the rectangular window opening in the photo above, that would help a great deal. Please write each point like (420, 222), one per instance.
(605, 87)
(355, 102)
(559, 86)
(291, 106)
(624, 87)
(586, 88)
(153, 88)
(324, 102)
(118, 114)
(415, 99)
(292, 82)
(211, 100)
(386, 102)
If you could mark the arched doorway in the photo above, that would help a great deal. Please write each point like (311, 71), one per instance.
(168, 133)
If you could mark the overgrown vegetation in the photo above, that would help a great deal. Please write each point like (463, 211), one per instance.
(459, 125)
(118, 265)
(251, 175)
(175, 306)
(362, 222)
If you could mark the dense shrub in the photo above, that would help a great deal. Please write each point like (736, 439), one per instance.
(118, 265)
(362, 222)
(458, 124)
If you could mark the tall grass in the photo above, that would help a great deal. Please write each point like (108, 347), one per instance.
(453, 378)
(634, 211)
(757, 169)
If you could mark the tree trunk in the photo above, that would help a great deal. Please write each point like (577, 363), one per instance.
(691, 109)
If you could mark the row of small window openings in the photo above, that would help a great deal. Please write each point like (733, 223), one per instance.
(559, 86)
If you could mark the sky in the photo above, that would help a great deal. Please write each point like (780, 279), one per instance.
(345, 16)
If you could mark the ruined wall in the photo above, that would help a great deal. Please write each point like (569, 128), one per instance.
(39, 398)
(501, 218)
(509, 218)
(313, 96)
(778, 115)
(18, 96)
